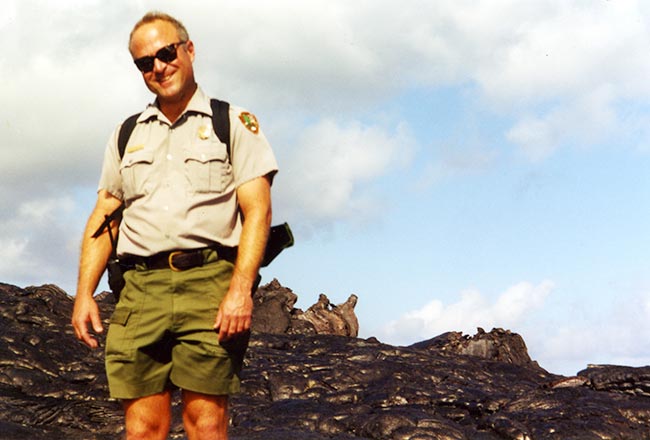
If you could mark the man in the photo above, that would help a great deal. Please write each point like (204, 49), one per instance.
(194, 229)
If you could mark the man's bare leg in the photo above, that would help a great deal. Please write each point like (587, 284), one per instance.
(148, 418)
(205, 416)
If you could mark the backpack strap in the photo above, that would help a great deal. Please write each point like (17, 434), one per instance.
(221, 121)
(220, 125)
(125, 133)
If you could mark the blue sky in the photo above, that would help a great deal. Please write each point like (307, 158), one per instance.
(455, 164)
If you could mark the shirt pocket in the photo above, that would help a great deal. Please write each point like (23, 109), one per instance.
(136, 169)
(208, 169)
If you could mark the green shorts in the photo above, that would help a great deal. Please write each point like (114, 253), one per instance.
(161, 334)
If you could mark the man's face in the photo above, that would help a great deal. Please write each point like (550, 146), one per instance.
(172, 81)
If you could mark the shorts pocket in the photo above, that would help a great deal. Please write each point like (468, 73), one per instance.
(119, 339)
(207, 169)
(120, 316)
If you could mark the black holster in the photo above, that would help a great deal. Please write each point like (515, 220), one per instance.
(115, 277)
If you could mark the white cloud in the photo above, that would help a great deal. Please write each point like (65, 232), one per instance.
(327, 169)
(36, 243)
(509, 310)
(559, 49)
(8, 13)
(614, 336)
(589, 119)
(66, 85)
(537, 138)
(565, 70)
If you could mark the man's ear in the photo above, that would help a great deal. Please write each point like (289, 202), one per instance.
(189, 47)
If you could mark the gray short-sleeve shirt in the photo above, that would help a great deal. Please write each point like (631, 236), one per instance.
(178, 181)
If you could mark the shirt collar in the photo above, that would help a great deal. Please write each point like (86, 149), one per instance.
(199, 103)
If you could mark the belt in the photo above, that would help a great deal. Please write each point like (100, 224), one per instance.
(180, 260)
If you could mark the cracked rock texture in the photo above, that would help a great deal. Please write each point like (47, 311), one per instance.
(302, 383)
(275, 313)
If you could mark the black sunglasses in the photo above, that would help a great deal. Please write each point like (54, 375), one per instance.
(166, 54)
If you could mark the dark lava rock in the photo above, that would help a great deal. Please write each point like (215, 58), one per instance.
(317, 387)
(628, 380)
(498, 345)
(275, 313)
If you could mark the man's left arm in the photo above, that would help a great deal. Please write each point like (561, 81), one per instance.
(235, 312)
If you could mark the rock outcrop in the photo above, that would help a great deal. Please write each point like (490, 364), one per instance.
(626, 380)
(498, 345)
(275, 313)
(316, 386)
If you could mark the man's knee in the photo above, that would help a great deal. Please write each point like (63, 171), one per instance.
(146, 430)
(205, 417)
(148, 417)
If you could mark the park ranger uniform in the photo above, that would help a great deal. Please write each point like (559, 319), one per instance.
(179, 184)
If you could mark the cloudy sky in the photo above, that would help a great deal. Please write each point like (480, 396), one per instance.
(456, 164)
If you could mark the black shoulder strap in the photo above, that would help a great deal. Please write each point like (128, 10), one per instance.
(125, 133)
(221, 121)
(220, 125)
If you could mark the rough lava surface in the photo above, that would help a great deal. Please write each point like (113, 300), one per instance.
(309, 377)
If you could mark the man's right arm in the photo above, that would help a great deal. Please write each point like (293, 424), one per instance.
(94, 256)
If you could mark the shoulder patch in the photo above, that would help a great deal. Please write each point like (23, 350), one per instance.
(250, 121)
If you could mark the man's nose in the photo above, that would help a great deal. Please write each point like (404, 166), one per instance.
(158, 65)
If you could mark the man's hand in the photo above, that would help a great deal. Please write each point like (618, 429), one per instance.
(94, 255)
(236, 309)
(86, 311)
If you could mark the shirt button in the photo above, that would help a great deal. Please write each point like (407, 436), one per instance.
(170, 157)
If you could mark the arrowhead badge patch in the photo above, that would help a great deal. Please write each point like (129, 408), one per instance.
(250, 121)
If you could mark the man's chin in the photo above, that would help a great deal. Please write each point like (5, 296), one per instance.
(168, 94)
(163, 88)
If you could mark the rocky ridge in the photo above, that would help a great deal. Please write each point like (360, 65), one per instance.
(302, 383)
